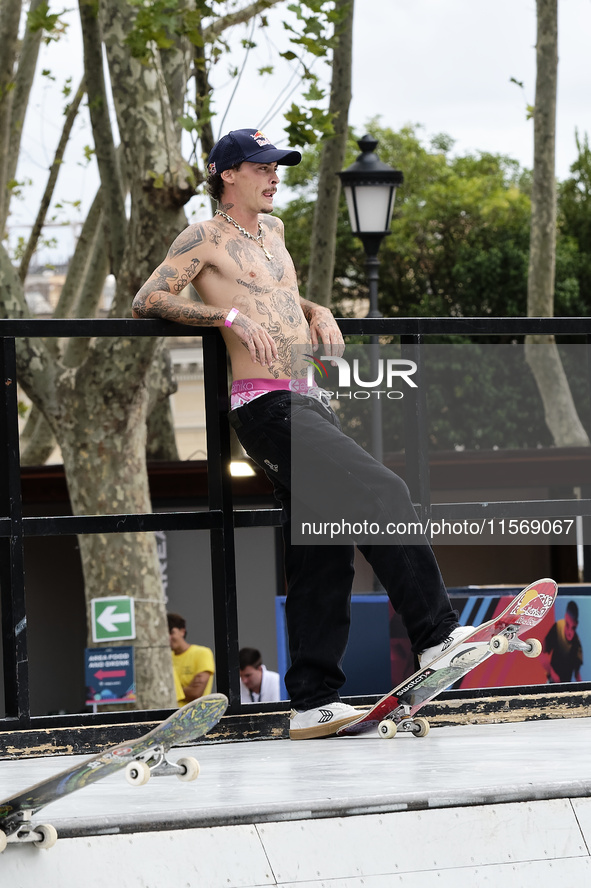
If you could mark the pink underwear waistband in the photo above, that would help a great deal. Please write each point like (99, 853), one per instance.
(243, 386)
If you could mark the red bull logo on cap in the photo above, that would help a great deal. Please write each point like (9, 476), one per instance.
(260, 138)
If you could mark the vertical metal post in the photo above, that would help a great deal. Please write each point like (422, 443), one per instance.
(377, 438)
(417, 431)
(223, 565)
(12, 582)
(586, 489)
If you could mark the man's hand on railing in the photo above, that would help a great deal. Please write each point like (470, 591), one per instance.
(255, 338)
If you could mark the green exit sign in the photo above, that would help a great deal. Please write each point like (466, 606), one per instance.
(113, 619)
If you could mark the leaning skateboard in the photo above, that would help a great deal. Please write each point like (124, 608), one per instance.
(141, 758)
(397, 710)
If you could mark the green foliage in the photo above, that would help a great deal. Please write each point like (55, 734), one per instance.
(445, 255)
(529, 108)
(305, 126)
(16, 187)
(161, 23)
(155, 23)
(574, 225)
(88, 152)
(459, 243)
(315, 32)
(19, 248)
(40, 19)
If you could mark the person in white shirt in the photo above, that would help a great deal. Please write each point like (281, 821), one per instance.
(257, 683)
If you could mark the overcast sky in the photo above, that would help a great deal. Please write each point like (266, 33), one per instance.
(443, 64)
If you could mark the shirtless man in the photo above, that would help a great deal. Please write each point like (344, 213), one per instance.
(246, 279)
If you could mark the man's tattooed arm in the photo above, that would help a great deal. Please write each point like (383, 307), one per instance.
(188, 240)
(173, 280)
(156, 302)
(323, 327)
(158, 296)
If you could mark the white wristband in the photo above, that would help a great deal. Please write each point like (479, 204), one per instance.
(231, 315)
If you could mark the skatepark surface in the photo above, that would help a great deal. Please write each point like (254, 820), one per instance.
(467, 805)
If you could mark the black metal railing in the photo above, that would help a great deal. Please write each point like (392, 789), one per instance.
(221, 517)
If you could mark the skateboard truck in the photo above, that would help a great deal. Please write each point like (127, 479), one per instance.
(153, 762)
(42, 835)
(509, 641)
(400, 719)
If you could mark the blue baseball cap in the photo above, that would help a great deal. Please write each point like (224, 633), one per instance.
(247, 145)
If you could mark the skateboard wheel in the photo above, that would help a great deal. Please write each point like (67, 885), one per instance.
(535, 648)
(420, 726)
(137, 773)
(48, 835)
(191, 767)
(387, 729)
(3, 841)
(499, 644)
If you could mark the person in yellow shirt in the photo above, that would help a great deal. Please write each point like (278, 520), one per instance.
(193, 664)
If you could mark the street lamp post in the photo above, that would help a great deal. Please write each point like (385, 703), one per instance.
(370, 190)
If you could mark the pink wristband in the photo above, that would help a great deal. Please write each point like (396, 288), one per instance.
(231, 315)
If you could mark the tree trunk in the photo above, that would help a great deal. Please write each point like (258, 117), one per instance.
(105, 455)
(102, 434)
(78, 266)
(541, 352)
(161, 441)
(324, 225)
(37, 439)
(51, 181)
(106, 155)
(10, 14)
(542, 254)
(23, 82)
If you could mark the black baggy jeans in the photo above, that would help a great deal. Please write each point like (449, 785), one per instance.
(319, 577)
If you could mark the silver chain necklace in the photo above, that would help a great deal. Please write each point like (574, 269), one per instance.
(257, 238)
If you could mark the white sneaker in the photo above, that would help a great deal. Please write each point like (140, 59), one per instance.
(430, 654)
(321, 722)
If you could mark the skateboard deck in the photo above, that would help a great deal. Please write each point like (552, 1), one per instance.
(142, 758)
(397, 710)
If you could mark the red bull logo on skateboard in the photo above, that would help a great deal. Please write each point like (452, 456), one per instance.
(533, 604)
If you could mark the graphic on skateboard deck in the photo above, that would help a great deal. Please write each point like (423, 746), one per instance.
(397, 710)
(141, 758)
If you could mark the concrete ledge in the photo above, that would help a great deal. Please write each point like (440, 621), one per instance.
(293, 811)
(543, 843)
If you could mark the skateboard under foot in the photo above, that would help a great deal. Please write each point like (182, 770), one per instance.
(397, 711)
(141, 758)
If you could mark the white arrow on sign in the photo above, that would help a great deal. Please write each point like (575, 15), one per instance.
(109, 619)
